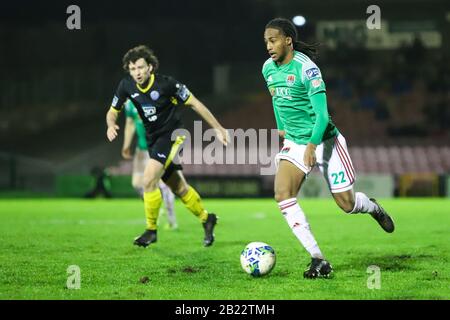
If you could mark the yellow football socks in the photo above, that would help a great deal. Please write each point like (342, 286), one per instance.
(152, 203)
(193, 202)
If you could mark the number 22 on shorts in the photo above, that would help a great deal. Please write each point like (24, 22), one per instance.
(337, 176)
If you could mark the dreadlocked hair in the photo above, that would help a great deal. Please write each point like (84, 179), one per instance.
(289, 30)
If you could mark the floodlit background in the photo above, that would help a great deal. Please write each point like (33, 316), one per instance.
(388, 93)
(388, 89)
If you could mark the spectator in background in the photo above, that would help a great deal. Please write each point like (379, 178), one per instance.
(416, 51)
(102, 184)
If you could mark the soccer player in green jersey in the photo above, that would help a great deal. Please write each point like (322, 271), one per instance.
(310, 138)
(134, 124)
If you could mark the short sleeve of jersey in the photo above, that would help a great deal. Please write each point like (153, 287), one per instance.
(179, 91)
(312, 78)
(120, 96)
(265, 69)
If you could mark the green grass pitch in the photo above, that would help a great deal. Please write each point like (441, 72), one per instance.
(41, 238)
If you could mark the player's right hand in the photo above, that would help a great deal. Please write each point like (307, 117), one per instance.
(126, 153)
(111, 133)
(223, 135)
(309, 157)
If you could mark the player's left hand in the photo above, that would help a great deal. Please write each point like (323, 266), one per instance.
(222, 135)
(309, 158)
(111, 133)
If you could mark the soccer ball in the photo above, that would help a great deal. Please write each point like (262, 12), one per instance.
(258, 259)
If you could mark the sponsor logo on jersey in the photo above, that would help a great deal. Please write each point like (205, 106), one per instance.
(316, 83)
(149, 110)
(154, 95)
(183, 92)
(312, 73)
(114, 101)
(283, 93)
(134, 95)
(290, 79)
(161, 155)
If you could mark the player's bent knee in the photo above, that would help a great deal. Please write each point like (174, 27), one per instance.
(181, 189)
(281, 195)
(137, 183)
(150, 183)
(346, 205)
(178, 186)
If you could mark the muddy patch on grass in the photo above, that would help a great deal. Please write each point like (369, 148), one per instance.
(398, 262)
(189, 270)
(185, 269)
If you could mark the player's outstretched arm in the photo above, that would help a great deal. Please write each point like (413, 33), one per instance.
(203, 111)
(128, 134)
(111, 120)
(319, 104)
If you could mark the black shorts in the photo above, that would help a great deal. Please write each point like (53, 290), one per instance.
(166, 151)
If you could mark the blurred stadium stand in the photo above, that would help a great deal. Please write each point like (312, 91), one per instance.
(391, 104)
(383, 160)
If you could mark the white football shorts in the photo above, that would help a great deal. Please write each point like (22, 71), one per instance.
(333, 161)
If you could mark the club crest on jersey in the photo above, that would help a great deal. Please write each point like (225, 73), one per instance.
(312, 73)
(149, 110)
(285, 150)
(290, 79)
(316, 83)
(154, 95)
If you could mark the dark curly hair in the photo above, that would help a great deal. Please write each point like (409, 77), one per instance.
(138, 52)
